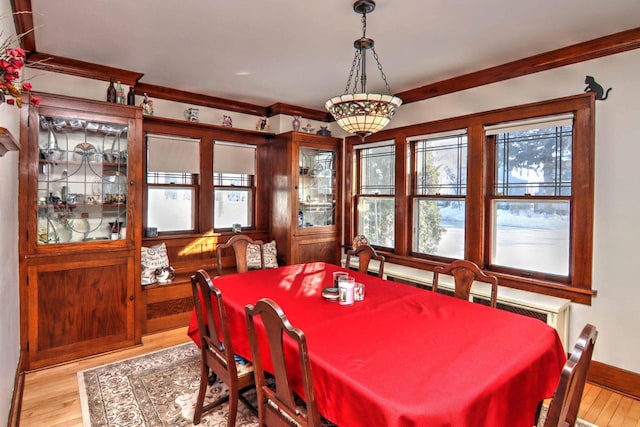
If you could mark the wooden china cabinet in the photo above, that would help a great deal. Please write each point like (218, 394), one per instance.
(305, 204)
(80, 189)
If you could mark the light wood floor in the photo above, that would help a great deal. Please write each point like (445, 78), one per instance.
(51, 395)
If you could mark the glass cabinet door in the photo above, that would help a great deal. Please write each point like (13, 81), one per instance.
(82, 180)
(316, 187)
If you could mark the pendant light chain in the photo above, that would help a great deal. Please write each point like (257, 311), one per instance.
(357, 59)
(359, 112)
(384, 77)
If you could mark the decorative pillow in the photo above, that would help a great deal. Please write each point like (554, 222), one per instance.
(253, 256)
(269, 254)
(153, 258)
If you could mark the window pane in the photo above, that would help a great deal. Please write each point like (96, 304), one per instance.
(439, 227)
(441, 165)
(376, 220)
(536, 162)
(377, 170)
(231, 179)
(171, 209)
(531, 236)
(171, 178)
(232, 207)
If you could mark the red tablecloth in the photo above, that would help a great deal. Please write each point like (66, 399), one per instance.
(405, 356)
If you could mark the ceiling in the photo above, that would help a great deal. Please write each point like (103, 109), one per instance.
(299, 52)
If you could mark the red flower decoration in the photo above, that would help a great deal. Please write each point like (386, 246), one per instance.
(16, 52)
(12, 60)
(11, 76)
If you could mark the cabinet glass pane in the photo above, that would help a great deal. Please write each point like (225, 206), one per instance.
(316, 187)
(82, 180)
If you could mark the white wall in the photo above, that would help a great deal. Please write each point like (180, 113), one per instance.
(616, 309)
(10, 311)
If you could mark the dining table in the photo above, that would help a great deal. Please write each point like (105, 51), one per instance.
(403, 356)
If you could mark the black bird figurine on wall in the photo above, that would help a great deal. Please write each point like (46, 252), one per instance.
(593, 86)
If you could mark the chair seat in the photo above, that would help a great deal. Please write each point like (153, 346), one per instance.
(243, 366)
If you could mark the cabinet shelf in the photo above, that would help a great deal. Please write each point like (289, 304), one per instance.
(53, 162)
(87, 206)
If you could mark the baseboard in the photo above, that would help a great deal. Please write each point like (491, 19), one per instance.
(615, 379)
(18, 388)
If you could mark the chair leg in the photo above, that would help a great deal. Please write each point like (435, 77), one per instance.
(233, 405)
(204, 380)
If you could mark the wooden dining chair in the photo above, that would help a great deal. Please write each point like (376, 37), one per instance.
(218, 359)
(277, 406)
(365, 254)
(464, 274)
(564, 406)
(239, 243)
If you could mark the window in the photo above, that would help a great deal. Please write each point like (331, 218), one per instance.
(530, 200)
(440, 164)
(376, 193)
(233, 182)
(509, 189)
(173, 166)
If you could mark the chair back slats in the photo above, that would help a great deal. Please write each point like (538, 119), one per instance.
(278, 408)
(239, 244)
(464, 274)
(564, 406)
(365, 254)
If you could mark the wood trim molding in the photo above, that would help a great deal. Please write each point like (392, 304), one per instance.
(294, 110)
(18, 388)
(23, 20)
(59, 64)
(616, 379)
(177, 95)
(7, 142)
(596, 48)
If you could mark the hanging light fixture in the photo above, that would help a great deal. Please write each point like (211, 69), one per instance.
(363, 113)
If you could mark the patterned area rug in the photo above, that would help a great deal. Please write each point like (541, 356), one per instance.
(157, 389)
(160, 389)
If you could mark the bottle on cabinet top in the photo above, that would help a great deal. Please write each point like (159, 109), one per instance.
(111, 92)
(120, 99)
(131, 96)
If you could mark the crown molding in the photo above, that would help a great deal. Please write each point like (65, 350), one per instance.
(592, 49)
(294, 110)
(60, 64)
(177, 95)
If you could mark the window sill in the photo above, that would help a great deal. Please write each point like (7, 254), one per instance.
(575, 294)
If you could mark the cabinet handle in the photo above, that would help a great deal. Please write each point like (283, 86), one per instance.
(131, 183)
(131, 298)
